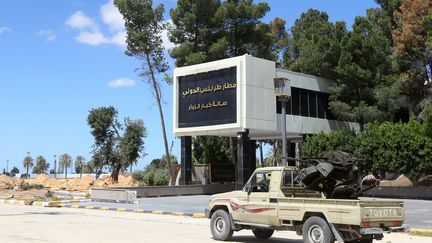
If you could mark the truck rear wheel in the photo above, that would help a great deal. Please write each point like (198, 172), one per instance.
(262, 233)
(317, 230)
(220, 225)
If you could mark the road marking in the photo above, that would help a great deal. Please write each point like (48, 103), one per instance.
(198, 215)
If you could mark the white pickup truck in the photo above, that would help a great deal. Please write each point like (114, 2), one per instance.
(273, 200)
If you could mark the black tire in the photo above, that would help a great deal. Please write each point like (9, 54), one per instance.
(220, 225)
(263, 234)
(367, 240)
(317, 230)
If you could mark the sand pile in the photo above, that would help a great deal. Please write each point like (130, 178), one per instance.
(103, 181)
(78, 184)
(41, 179)
(401, 181)
(6, 182)
(55, 184)
(124, 180)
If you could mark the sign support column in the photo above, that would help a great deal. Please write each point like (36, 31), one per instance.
(186, 160)
(245, 166)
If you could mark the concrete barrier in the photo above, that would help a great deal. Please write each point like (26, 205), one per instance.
(113, 194)
(424, 193)
(123, 193)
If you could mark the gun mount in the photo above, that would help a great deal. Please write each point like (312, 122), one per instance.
(336, 174)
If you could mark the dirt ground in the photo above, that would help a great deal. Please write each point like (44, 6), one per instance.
(21, 189)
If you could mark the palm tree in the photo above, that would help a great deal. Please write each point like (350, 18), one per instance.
(41, 165)
(65, 162)
(28, 162)
(79, 164)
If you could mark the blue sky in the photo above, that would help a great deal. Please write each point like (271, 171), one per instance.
(61, 58)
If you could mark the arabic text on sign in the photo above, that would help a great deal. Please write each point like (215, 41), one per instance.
(208, 105)
(209, 88)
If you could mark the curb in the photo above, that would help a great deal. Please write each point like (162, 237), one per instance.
(12, 201)
(159, 212)
(52, 203)
(421, 232)
(40, 203)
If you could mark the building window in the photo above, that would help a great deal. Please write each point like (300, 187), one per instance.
(321, 105)
(304, 102)
(307, 103)
(313, 104)
(295, 98)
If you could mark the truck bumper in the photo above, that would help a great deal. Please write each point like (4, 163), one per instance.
(376, 231)
(207, 213)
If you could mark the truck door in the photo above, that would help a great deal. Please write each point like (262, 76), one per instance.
(256, 208)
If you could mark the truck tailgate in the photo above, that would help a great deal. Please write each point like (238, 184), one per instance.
(378, 211)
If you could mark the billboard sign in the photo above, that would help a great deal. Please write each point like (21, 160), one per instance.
(207, 98)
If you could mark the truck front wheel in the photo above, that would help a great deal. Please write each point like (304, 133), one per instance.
(220, 225)
(317, 230)
(263, 234)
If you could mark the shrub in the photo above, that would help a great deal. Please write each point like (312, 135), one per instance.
(26, 186)
(401, 147)
(161, 177)
(315, 146)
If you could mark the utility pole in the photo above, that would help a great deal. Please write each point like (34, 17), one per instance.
(55, 167)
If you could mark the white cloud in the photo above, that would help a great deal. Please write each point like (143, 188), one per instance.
(80, 21)
(111, 16)
(165, 40)
(119, 38)
(89, 31)
(93, 38)
(4, 29)
(47, 34)
(121, 82)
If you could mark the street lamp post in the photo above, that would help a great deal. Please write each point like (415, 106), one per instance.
(55, 165)
(283, 92)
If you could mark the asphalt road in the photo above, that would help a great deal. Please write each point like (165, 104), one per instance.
(418, 212)
(39, 224)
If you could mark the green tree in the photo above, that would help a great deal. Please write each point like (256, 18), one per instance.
(65, 161)
(111, 147)
(144, 26)
(390, 7)
(193, 31)
(41, 165)
(241, 30)
(80, 163)
(214, 150)
(314, 47)
(14, 171)
(27, 163)
(362, 66)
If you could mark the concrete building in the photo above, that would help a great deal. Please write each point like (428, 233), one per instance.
(235, 97)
